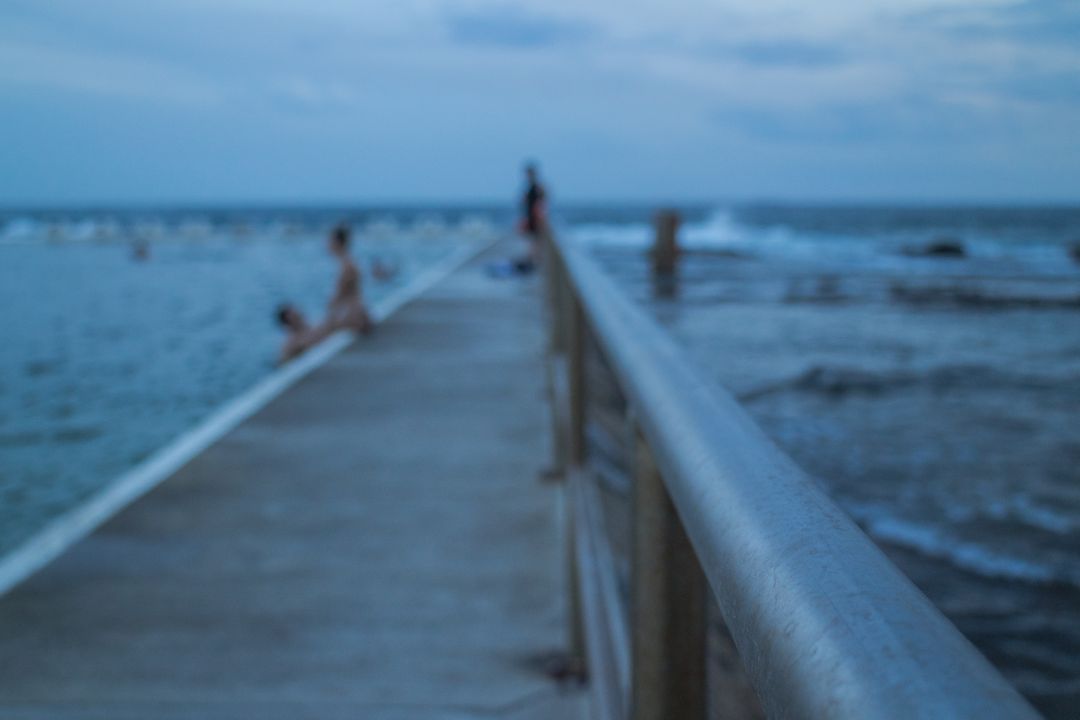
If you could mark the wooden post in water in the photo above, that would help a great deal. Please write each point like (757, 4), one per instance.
(665, 252)
(668, 610)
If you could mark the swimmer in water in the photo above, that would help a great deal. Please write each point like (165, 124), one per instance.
(140, 250)
(346, 310)
(383, 271)
(301, 336)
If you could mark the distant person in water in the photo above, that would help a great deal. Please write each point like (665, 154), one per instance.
(140, 250)
(346, 310)
(300, 336)
(382, 270)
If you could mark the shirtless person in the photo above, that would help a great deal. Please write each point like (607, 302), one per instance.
(301, 336)
(346, 309)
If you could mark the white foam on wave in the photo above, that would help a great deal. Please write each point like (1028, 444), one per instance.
(938, 543)
(721, 230)
(1025, 510)
(429, 226)
(476, 225)
(632, 236)
(21, 229)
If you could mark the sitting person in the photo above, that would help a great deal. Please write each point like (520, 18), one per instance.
(346, 310)
(301, 336)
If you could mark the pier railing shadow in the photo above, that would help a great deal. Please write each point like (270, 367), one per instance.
(702, 561)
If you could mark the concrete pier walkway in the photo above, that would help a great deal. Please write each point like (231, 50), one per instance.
(375, 543)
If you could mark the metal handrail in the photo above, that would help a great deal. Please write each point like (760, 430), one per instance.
(826, 626)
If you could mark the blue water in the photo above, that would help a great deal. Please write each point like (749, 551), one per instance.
(107, 358)
(936, 398)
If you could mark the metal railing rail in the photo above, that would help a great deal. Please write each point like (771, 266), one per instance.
(825, 625)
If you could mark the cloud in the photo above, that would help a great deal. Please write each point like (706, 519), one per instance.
(1038, 22)
(314, 94)
(513, 27)
(81, 72)
(798, 53)
(1059, 88)
(436, 95)
(913, 120)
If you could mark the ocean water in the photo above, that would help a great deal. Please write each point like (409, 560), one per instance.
(936, 397)
(106, 358)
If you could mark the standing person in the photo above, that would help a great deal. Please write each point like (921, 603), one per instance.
(534, 214)
(346, 309)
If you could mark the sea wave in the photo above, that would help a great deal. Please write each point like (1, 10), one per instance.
(938, 247)
(979, 298)
(720, 231)
(923, 253)
(940, 543)
(1026, 511)
(838, 381)
(150, 226)
(20, 229)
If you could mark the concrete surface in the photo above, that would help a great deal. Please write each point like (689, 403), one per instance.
(372, 544)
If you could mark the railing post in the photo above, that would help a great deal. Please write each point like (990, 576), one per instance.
(575, 336)
(665, 253)
(555, 290)
(555, 275)
(572, 333)
(574, 617)
(668, 610)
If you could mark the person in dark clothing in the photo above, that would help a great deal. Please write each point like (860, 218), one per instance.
(533, 225)
(534, 203)
(534, 218)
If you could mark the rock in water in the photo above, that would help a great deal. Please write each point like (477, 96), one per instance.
(946, 247)
(1074, 251)
(941, 247)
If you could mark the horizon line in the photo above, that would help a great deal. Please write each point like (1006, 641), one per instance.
(569, 203)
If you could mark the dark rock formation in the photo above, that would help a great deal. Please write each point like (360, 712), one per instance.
(941, 247)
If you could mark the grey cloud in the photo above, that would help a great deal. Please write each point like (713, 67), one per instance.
(1046, 87)
(797, 53)
(908, 118)
(515, 28)
(1033, 22)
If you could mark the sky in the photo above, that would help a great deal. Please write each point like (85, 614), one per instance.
(234, 101)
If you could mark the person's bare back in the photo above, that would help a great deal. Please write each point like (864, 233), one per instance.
(346, 308)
